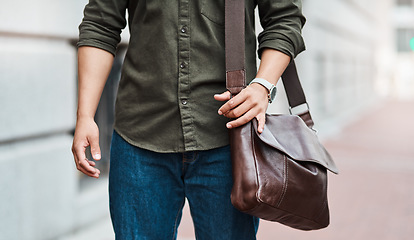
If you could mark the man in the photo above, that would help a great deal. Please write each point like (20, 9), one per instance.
(170, 140)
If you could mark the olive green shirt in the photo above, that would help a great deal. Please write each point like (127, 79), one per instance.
(175, 63)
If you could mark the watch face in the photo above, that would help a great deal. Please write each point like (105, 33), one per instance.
(272, 93)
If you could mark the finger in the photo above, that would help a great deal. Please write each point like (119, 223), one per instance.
(84, 164)
(74, 155)
(223, 97)
(81, 169)
(240, 110)
(81, 162)
(261, 120)
(232, 103)
(241, 120)
(79, 152)
(76, 160)
(94, 175)
(95, 149)
(92, 163)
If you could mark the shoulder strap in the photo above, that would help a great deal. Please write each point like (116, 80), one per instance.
(235, 60)
(234, 44)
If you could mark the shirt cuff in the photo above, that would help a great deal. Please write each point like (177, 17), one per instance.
(97, 44)
(94, 35)
(281, 43)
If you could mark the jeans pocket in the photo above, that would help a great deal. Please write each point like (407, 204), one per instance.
(213, 10)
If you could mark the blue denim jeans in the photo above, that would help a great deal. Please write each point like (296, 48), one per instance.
(147, 192)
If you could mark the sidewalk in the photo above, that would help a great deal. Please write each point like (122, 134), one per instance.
(371, 199)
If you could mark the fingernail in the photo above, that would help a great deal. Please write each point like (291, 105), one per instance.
(220, 113)
(228, 125)
(97, 156)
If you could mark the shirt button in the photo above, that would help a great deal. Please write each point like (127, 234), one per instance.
(184, 29)
(182, 65)
(184, 102)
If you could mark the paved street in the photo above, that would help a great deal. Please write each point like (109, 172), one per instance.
(371, 199)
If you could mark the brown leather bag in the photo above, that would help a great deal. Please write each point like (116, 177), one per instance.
(281, 174)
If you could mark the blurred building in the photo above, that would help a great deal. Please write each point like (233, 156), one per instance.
(357, 52)
(403, 26)
(340, 70)
(351, 58)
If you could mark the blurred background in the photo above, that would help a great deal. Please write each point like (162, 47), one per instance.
(357, 72)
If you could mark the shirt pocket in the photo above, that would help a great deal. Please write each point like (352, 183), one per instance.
(213, 10)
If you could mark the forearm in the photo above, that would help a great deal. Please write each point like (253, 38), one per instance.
(273, 64)
(94, 66)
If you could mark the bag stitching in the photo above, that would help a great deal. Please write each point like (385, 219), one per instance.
(285, 178)
(252, 134)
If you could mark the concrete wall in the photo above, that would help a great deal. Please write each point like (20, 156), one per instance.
(40, 196)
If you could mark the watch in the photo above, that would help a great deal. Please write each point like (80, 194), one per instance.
(269, 86)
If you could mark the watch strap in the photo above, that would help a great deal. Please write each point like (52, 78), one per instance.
(263, 82)
(271, 88)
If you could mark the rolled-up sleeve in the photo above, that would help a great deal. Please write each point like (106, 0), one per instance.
(282, 23)
(102, 24)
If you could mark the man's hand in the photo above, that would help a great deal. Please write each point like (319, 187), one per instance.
(250, 103)
(86, 134)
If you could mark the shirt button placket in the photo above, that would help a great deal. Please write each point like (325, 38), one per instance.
(184, 29)
(183, 75)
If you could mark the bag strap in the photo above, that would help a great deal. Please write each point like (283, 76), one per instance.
(234, 45)
(235, 61)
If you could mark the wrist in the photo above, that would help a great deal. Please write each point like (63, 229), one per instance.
(260, 88)
(268, 86)
(85, 116)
